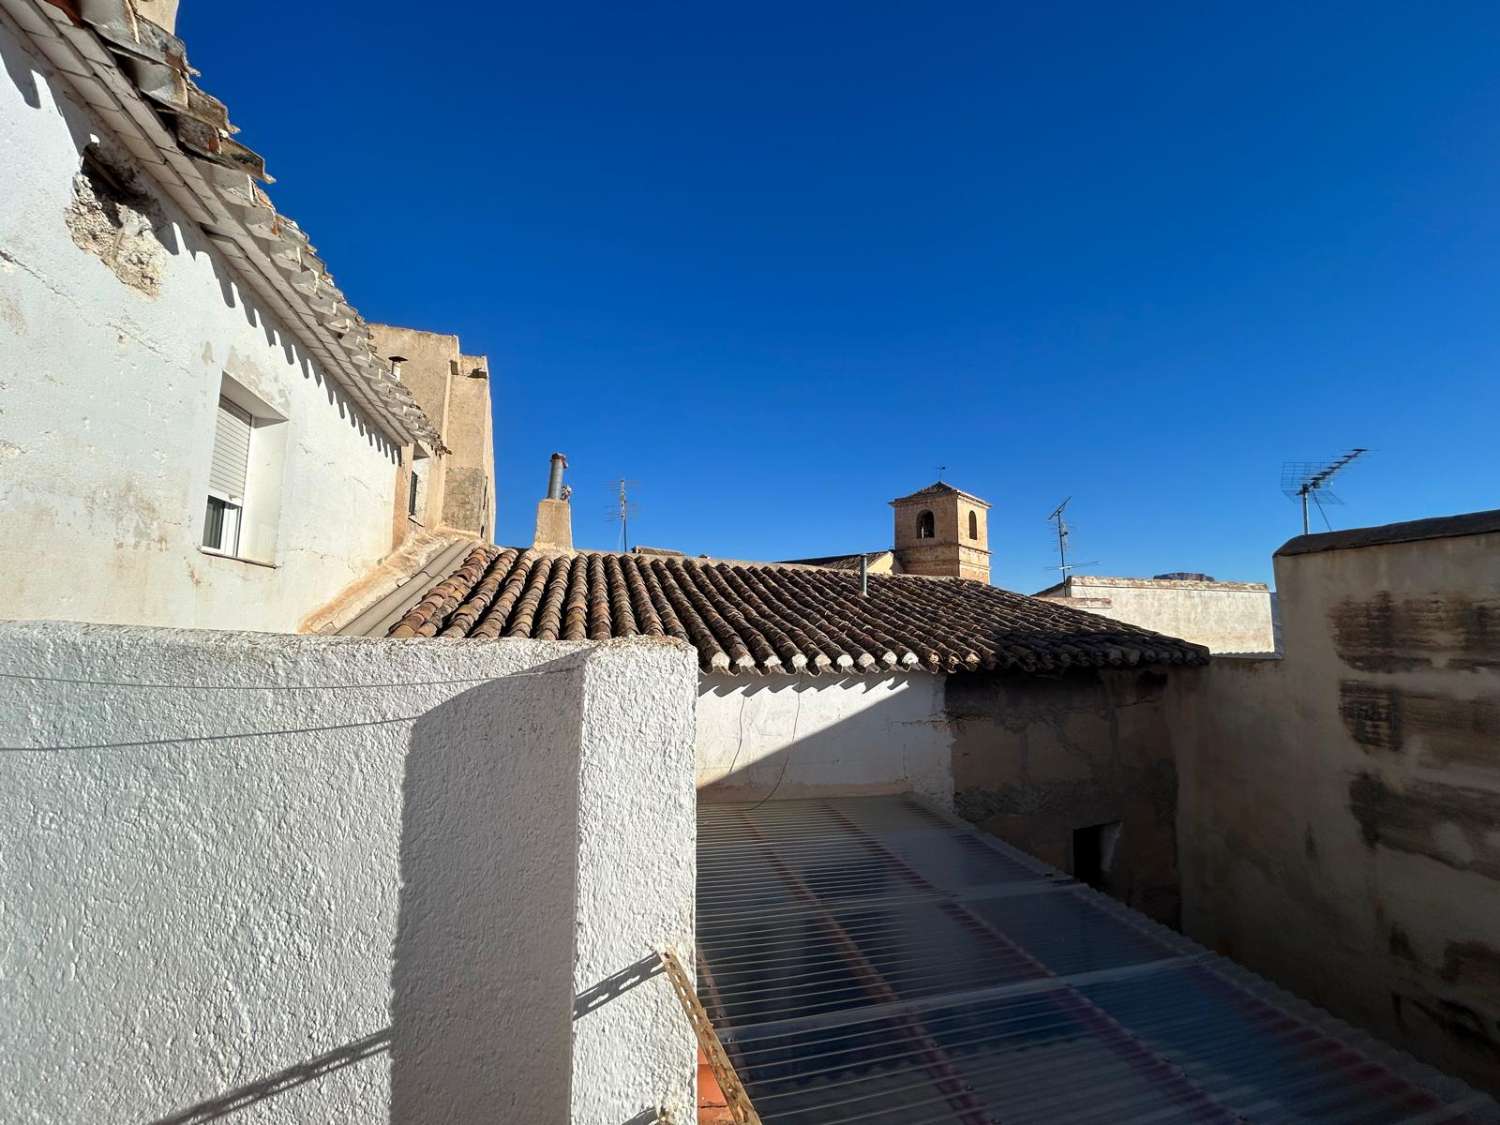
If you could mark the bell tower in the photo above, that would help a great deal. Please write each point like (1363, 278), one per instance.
(943, 532)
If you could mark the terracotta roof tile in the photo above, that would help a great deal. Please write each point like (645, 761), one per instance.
(771, 617)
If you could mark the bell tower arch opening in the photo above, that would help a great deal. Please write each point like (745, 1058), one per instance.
(943, 532)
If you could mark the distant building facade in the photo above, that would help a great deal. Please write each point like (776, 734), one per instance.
(1225, 617)
(453, 389)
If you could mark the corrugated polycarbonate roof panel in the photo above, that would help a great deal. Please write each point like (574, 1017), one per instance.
(872, 960)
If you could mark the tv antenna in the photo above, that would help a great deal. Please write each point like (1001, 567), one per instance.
(1058, 517)
(622, 509)
(1308, 481)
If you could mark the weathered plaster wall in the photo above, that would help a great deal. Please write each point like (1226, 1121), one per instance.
(339, 879)
(805, 735)
(1224, 616)
(449, 387)
(1034, 759)
(106, 429)
(470, 502)
(1340, 808)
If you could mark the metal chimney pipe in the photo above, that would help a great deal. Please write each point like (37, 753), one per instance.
(864, 576)
(554, 478)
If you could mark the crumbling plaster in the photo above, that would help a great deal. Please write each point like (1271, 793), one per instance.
(336, 879)
(108, 427)
(1035, 759)
(1340, 807)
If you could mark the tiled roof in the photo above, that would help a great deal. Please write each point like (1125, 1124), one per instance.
(941, 488)
(135, 76)
(770, 617)
(840, 562)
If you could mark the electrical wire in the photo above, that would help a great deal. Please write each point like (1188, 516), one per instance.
(786, 756)
(134, 744)
(271, 687)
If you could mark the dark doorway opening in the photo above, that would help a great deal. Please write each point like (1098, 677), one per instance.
(1094, 850)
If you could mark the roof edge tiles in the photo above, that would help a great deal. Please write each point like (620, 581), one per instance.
(757, 617)
(135, 74)
(1411, 531)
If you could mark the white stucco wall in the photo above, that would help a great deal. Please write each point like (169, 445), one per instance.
(807, 735)
(107, 405)
(338, 879)
(636, 881)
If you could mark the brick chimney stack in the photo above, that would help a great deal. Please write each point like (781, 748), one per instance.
(554, 515)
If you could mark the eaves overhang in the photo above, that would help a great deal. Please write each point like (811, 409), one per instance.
(134, 76)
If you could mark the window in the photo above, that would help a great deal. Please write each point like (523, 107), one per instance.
(416, 491)
(1094, 850)
(243, 505)
(926, 526)
(226, 478)
(973, 525)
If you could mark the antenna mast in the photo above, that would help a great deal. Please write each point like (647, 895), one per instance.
(622, 509)
(1306, 481)
(1061, 520)
(1062, 542)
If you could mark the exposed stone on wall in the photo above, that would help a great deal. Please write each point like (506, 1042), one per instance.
(1455, 826)
(114, 217)
(1383, 633)
(1036, 759)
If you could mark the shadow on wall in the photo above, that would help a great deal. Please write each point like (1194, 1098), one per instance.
(482, 962)
(800, 736)
(1078, 770)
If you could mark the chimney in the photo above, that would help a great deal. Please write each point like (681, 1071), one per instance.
(554, 516)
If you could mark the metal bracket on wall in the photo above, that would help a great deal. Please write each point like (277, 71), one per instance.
(708, 1040)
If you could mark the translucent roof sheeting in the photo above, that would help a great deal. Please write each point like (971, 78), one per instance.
(872, 960)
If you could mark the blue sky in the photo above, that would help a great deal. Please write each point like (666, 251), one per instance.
(775, 263)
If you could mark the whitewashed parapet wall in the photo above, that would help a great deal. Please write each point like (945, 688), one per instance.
(803, 736)
(118, 322)
(311, 879)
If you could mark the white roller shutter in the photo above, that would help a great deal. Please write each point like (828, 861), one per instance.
(231, 452)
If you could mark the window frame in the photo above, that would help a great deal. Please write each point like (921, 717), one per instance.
(231, 518)
(248, 523)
